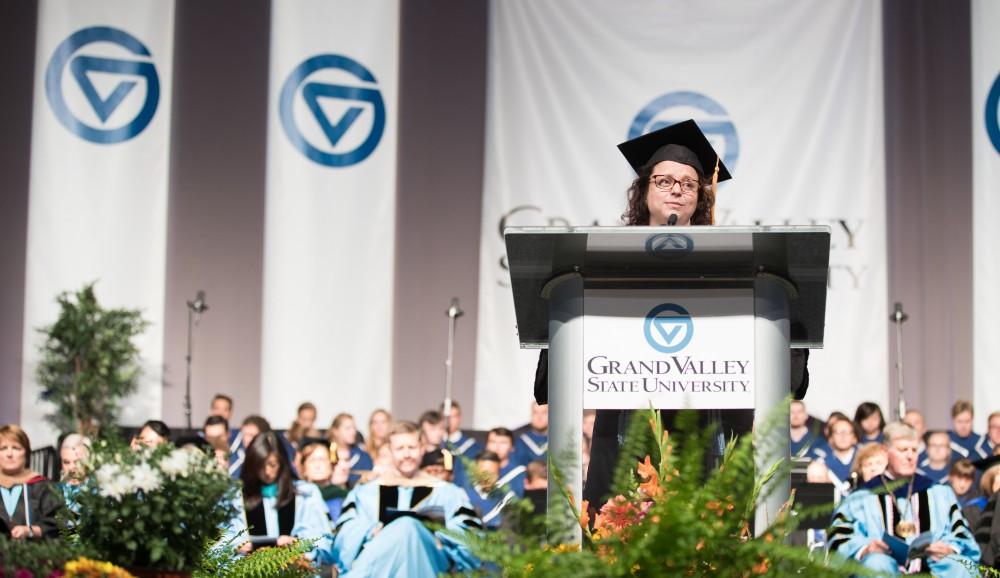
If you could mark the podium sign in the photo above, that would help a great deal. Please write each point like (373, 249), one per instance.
(676, 349)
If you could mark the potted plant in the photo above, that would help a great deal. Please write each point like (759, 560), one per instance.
(153, 511)
(89, 362)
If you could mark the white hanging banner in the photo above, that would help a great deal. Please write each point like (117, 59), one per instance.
(330, 221)
(98, 185)
(986, 205)
(796, 113)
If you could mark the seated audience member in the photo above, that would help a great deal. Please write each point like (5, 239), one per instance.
(918, 505)
(344, 433)
(486, 496)
(962, 479)
(378, 431)
(458, 442)
(533, 443)
(802, 437)
(821, 448)
(500, 441)
(215, 426)
(870, 421)
(222, 406)
(938, 461)
(152, 433)
(30, 504)
(304, 425)
(870, 462)
(432, 430)
(987, 528)
(220, 449)
(991, 441)
(915, 419)
(841, 445)
(252, 426)
(536, 484)
(316, 465)
(279, 508)
(383, 528)
(965, 443)
(72, 450)
(439, 464)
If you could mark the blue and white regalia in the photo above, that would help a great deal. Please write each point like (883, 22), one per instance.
(531, 446)
(359, 461)
(461, 444)
(489, 504)
(867, 515)
(970, 446)
(383, 529)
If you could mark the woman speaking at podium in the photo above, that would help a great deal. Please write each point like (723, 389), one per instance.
(677, 172)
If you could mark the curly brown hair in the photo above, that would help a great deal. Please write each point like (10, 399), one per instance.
(637, 211)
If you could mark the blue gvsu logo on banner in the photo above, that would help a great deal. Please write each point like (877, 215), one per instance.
(674, 107)
(668, 328)
(318, 116)
(102, 103)
(993, 114)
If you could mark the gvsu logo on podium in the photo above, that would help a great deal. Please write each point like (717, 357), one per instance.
(993, 114)
(674, 107)
(340, 116)
(103, 103)
(668, 328)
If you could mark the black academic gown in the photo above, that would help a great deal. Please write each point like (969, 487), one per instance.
(610, 426)
(44, 503)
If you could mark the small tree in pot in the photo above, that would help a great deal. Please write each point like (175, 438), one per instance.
(89, 362)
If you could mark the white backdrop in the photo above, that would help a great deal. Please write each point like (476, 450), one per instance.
(330, 217)
(98, 181)
(986, 205)
(796, 112)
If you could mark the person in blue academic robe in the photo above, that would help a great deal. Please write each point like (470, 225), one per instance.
(487, 497)
(532, 444)
(387, 526)
(870, 521)
(937, 457)
(279, 508)
(965, 443)
(803, 438)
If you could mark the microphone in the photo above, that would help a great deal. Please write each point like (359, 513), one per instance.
(672, 220)
(198, 306)
(897, 315)
(454, 311)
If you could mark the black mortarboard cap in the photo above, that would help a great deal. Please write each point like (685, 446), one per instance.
(682, 143)
(437, 458)
(986, 463)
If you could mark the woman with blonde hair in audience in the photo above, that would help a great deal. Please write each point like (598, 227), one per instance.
(29, 502)
(378, 431)
(870, 462)
(304, 424)
(344, 434)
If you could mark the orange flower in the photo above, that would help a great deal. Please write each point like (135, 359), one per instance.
(650, 479)
(585, 514)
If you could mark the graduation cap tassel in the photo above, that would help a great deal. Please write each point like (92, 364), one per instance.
(715, 185)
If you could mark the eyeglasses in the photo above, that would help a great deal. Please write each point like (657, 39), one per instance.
(666, 183)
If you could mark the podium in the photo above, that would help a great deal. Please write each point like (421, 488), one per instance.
(685, 317)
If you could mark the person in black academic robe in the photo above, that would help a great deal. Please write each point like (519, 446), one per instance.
(672, 187)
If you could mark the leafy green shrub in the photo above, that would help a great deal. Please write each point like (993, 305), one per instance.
(89, 362)
(669, 518)
(155, 508)
(42, 558)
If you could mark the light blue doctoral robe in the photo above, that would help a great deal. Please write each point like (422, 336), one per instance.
(403, 546)
(866, 515)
